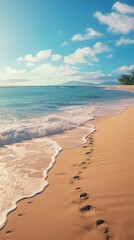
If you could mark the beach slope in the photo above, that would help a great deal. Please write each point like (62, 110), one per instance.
(91, 192)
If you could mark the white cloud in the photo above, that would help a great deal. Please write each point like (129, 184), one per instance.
(51, 70)
(124, 69)
(9, 72)
(56, 57)
(62, 73)
(100, 47)
(124, 41)
(48, 74)
(86, 54)
(30, 64)
(65, 43)
(78, 37)
(90, 34)
(80, 56)
(12, 76)
(19, 59)
(94, 75)
(42, 55)
(123, 8)
(14, 82)
(118, 22)
(28, 58)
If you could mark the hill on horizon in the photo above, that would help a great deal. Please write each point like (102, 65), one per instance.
(79, 83)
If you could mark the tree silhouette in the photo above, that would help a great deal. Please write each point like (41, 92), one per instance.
(127, 79)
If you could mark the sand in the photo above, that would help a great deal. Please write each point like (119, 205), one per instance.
(121, 87)
(91, 193)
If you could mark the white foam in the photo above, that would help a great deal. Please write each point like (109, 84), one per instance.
(24, 166)
(19, 169)
(45, 126)
(115, 107)
(91, 130)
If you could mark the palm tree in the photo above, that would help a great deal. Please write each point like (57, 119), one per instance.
(127, 79)
(132, 77)
(124, 79)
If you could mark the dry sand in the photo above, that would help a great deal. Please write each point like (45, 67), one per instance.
(91, 193)
(121, 87)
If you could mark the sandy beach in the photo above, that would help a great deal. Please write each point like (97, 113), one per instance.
(91, 192)
(121, 87)
(67, 120)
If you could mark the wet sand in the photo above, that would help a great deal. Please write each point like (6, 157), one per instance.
(91, 191)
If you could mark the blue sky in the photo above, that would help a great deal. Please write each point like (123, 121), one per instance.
(55, 41)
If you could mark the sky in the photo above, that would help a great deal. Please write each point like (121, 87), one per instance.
(48, 42)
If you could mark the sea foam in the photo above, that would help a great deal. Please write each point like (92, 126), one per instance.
(24, 165)
(24, 169)
(45, 126)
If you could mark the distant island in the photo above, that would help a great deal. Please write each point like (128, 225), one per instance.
(80, 83)
(124, 79)
(76, 83)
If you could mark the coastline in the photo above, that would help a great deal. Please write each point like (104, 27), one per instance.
(121, 87)
(99, 169)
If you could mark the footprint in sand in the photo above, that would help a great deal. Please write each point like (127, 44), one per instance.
(78, 189)
(89, 163)
(84, 196)
(88, 152)
(75, 178)
(20, 214)
(86, 208)
(28, 203)
(9, 231)
(74, 165)
(84, 167)
(82, 163)
(101, 224)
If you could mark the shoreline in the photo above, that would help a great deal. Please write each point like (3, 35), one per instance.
(60, 205)
(120, 87)
(51, 164)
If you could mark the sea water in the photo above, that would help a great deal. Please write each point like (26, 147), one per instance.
(36, 123)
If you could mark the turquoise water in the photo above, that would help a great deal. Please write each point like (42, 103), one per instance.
(36, 123)
(25, 111)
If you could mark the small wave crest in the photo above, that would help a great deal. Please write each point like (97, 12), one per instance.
(45, 126)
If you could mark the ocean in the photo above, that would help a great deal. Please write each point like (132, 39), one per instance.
(36, 123)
